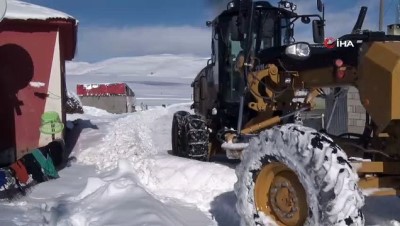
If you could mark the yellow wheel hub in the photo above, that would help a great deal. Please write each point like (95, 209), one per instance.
(280, 195)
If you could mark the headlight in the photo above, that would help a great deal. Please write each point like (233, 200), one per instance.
(231, 5)
(298, 50)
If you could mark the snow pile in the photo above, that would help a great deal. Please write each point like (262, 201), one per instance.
(118, 199)
(111, 198)
(25, 11)
(127, 138)
(191, 181)
(143, 138)
(147, 132)
(96, 111)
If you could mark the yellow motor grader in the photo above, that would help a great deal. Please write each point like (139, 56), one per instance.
(289, 173)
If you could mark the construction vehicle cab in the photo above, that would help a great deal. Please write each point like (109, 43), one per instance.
(221, 84)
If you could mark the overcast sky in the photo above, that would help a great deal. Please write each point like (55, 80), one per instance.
(112, 28)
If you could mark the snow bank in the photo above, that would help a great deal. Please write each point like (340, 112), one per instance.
(117, 198)
(128, 137)
(191, 181)
(109, 198)
(137, 135)
(143, 138)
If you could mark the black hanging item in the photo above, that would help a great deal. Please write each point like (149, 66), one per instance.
(55, 150)
(33, 167)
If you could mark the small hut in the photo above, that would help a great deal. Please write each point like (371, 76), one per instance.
(115, 97)
(35, 42)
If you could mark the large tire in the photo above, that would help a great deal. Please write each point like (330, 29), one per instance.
(178, 132)
(196, 139)
(320, 166)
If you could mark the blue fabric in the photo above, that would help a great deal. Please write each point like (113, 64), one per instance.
(3, 178)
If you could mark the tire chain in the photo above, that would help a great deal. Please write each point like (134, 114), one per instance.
(197, 137)
(180, 124)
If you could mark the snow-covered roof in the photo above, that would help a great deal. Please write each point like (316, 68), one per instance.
(24, 11)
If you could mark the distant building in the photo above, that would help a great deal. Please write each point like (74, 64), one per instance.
(115, 98)
(35, 42)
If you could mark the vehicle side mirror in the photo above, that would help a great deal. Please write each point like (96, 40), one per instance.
(320, 5)
(318, 31)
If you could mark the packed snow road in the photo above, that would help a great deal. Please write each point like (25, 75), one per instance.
(124, 175)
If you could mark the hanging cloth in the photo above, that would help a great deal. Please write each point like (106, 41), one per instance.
(46, 163)
(20, 171)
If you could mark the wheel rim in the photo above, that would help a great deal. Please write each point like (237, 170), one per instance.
(280, 195)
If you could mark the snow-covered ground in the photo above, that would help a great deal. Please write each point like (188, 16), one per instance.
(123, 173)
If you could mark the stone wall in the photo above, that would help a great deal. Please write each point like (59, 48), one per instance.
(112, 104)
(356, 112)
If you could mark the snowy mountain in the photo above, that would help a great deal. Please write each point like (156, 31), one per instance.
(156, 80)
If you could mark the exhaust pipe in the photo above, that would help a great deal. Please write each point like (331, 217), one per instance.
(360, 20)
